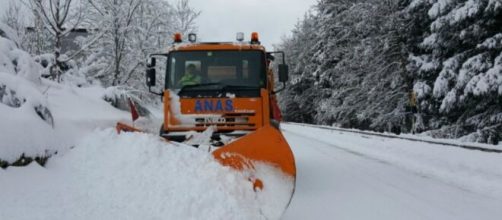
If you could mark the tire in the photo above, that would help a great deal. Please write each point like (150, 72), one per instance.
(276, 124)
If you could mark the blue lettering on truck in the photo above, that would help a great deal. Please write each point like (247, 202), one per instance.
(208, 105)
(229, 105)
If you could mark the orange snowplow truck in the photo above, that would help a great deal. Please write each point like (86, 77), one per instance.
(228, 87)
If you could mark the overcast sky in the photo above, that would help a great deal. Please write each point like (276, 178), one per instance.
(222, 19)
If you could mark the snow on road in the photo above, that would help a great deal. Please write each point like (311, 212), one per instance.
(349, 176)
(341, 175)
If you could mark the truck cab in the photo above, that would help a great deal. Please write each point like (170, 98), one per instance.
(228, 86)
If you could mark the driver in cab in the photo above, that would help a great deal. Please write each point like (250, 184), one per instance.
(190, 77)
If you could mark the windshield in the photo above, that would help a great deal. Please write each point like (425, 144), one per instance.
(212, 70)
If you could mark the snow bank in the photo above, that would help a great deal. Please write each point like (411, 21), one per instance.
(75, 113)
(137, 176)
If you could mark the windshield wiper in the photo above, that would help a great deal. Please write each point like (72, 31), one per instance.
(247, 87)
(218, 86)
(202, 85)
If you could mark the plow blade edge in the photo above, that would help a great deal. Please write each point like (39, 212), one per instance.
(266, 145)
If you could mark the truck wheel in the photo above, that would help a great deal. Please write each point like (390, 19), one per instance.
(161, 130)
(276, 124)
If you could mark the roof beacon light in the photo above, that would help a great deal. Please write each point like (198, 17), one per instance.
(177, 38)
(254, 38)
(240, 36)
(192, 37)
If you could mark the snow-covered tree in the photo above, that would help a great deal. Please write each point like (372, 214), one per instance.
(29, 28)
(364, 63)
(458, 67)
(183, 17)
(297, 107)
(128, 30)
(14, 19)
(60, 17)
(350, 65)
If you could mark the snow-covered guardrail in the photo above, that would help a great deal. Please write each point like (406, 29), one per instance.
(451, 143)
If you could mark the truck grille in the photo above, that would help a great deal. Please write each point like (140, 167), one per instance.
(228, 120)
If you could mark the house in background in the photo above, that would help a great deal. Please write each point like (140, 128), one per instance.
(69, 42)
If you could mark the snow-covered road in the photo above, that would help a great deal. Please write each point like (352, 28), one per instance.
(340, 175)
(336, 181)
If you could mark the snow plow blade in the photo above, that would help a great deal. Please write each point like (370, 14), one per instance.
(266, 145)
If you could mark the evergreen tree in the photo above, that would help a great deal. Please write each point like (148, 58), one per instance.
(363, 64)
(352, 56)
(458, 68)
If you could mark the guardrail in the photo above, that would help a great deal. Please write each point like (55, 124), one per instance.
(439, 142)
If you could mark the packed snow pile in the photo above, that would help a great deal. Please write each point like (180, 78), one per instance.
(73, 112)
(137, 176)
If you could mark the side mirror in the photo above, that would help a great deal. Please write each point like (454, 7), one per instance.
(283, 73)
(151, 62)
(150, 77)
